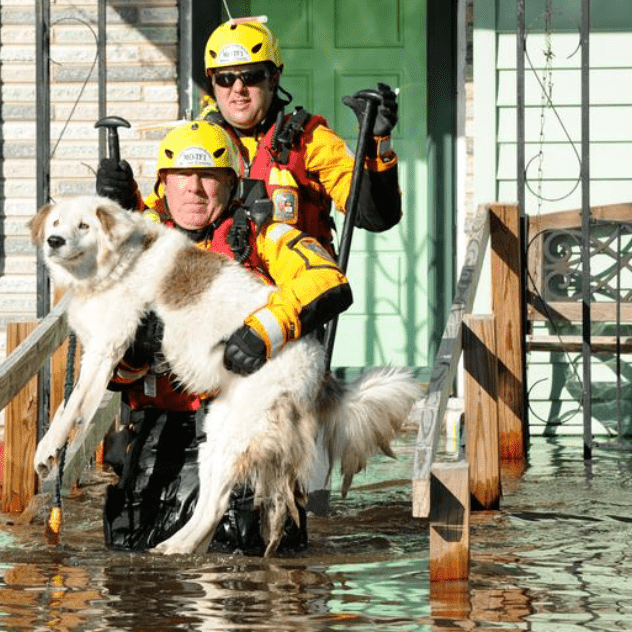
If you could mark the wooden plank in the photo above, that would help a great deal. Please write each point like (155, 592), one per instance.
(573, 218)
(441, 382)
(573, 344)
(85, 443)
(507, 307)
(26, 360)
(571, 311)
(481, 410)
(449, 521)
(19, 482)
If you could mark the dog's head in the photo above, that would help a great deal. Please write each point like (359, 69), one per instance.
(79, 236)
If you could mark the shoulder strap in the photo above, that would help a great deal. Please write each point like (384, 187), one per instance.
(287, 135)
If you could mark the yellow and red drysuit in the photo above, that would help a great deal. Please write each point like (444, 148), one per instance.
(311, 289)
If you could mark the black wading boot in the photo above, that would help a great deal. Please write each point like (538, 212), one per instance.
(240, 528)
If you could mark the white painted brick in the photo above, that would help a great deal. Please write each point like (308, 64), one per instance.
(161, 92)
(20, 265)
(117, 53)
(74, 130)
(11, 226)
(18, 168)
(17, 73)
(19, 131)
(87, 152)
(17, 54)
(166, 53)
(155, 15)
(13, 92)
(17, 206)
(15, 284)
(73, 54)
(80, 112)
(139, 114)
(20, 188)
(17, 34)
(62, 169)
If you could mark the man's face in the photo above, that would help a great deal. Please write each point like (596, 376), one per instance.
(197, 197)
(244, 93)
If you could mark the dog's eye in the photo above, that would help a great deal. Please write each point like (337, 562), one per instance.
(83, 226)
(56, 222)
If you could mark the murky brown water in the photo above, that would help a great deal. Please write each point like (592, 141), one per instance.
(554, 558)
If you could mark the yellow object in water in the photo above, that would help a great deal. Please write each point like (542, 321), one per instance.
(53, 525)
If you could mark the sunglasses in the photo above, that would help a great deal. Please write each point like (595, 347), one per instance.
(248, 77)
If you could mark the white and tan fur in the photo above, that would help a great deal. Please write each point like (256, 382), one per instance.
(261, 428)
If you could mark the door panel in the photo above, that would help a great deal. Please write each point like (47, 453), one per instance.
(332, 48)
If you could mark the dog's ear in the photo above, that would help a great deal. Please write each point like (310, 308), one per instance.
(36, 224)
(117, 223)
(107, 218)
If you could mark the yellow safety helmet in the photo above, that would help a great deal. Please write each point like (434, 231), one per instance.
(242, 41)
(198, 145)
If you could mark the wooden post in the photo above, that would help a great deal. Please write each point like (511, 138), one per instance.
(449, 521)
(507, 307)
(481, 410)
(20, 483)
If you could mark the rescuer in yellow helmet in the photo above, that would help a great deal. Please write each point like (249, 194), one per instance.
(202, 195)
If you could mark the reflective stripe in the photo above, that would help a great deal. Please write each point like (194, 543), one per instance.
(272, 328)
(278, 230)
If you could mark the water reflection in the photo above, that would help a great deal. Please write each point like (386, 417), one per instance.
(554, 558)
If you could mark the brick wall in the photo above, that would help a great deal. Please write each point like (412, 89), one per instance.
(142, 48)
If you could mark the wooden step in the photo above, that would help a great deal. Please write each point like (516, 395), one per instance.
(573, 344)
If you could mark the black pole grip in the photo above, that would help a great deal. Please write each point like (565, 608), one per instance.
(112, 123)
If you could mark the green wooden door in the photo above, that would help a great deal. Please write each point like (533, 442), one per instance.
(333, 48)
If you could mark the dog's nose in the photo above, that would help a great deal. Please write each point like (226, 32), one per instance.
(55, 241)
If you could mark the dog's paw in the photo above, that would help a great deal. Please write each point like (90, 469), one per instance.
(45, 460)
(47, 454)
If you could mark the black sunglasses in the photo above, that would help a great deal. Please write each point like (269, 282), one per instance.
(248, 77)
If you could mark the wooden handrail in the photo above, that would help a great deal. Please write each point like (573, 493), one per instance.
(25, 362)
(442, 379)
(30, 355)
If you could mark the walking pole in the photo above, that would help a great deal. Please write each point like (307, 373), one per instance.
(52, 531)
(366, 130)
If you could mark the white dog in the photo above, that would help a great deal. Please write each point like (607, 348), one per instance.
(261, 428)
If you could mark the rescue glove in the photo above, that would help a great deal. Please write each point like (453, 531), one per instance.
(386, 118)
(245, 351)
(145, 350)
(115, 180)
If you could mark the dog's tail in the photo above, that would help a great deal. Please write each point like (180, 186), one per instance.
(362, 417)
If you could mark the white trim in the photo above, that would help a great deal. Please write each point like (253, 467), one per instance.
(273, 329)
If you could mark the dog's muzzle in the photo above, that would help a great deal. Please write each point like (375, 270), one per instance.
(55, 241)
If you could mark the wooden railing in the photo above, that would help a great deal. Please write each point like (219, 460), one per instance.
(492, 347)
(16, 371)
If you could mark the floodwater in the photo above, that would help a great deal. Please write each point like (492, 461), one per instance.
(554, 558)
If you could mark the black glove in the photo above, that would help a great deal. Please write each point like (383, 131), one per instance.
(245, 351)
(386, 118)
(145, 350)
(116, 181)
